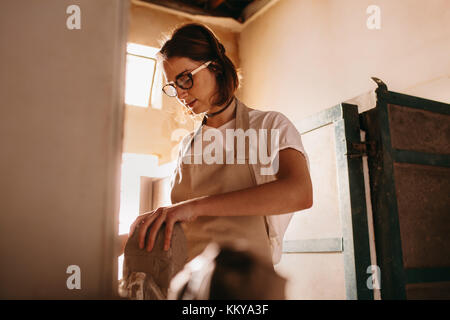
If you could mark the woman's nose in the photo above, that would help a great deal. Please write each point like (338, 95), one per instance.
(181, 93)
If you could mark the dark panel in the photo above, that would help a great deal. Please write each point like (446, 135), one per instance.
(409, 179)
(427, 275)
(425, 291)
(384, 204)
(423, 197)
(419, 130)
(215, 8)
(401, 99)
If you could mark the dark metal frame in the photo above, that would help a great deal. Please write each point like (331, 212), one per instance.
(381, 157)
(189, 74)
(240, 12)
(375, 122)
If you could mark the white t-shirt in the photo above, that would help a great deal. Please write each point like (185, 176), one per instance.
(289, 137)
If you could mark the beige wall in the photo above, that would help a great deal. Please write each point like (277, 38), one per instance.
(302, 56)
(147, 130)
(61, 121)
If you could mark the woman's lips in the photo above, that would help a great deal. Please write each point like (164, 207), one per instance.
(191, 104)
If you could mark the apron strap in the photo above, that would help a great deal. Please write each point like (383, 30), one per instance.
(245, 123)
(242, 122)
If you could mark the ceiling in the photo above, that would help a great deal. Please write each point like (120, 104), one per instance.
(239, 10)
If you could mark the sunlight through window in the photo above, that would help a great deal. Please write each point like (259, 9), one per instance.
(135, 166)
(142, 80)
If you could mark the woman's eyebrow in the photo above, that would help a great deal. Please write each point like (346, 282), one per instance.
(177, 75)
(181, 73)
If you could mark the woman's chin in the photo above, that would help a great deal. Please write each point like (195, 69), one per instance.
(197, 109)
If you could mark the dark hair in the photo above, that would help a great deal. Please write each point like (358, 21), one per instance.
(197, 42)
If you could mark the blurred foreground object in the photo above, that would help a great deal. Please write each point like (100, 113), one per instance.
(227, 273)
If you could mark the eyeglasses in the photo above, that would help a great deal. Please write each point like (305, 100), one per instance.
(183, 80)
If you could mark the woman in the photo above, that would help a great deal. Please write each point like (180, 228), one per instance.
(223, 202)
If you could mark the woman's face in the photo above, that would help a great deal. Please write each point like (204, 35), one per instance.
(199, 97)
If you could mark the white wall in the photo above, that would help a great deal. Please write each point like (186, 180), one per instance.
(302, 56)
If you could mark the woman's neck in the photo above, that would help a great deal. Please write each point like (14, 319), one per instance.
(220, 119)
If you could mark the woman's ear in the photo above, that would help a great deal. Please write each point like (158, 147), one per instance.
(215, 67)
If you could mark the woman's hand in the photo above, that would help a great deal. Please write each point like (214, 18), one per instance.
(154, 219)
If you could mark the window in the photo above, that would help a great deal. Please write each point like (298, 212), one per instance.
(143, 82)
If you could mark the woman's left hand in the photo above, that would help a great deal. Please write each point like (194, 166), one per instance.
(182, 212)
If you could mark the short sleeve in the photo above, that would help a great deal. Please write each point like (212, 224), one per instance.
(289, 137)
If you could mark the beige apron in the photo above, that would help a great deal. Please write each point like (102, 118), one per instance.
(196, 180)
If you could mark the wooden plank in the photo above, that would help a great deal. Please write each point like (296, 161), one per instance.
(188, 8)
(252, 8)
(428, 159)
(389, 214)
(387, 125)
(390, 97)
(384, 202)
(313, 245)
(419, 275)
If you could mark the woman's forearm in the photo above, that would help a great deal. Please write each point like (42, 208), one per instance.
(276, 197)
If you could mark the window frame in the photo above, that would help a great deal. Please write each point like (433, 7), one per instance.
(130, 51)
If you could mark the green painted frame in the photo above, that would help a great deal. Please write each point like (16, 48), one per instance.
(352, 201)
(375, 122)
